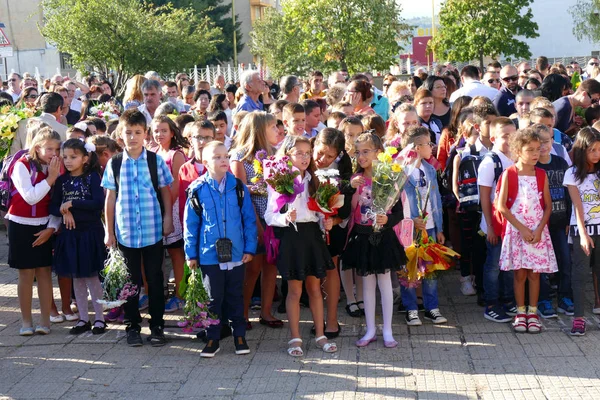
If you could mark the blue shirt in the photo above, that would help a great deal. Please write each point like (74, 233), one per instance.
(138, 218)
(247, 104)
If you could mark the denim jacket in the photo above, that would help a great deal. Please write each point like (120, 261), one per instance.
(200, 239)
(435, 199)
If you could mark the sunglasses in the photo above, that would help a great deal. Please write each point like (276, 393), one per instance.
(594, 101)
(490, 81)
(594, 64)
(386, 85)
(513, 78)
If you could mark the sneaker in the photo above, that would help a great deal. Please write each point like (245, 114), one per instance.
(157, 337)
(520, 323)
(114, 314)
(546, 310)
(57, 319)
(496, 314)
(134, 339)
(255, 303)
(211, 348)
(435, 316)
(173, 305)
(241, 347)
(578, 328)
(143, 303)
(412, 318)
(566, 306)
(466, 286)
(510, 308)
(533, 323)
(42, 330)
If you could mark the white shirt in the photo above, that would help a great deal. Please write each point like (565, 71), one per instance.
(474, 88)
(76, 105)
(564, 153)
(15, 96)
(486, 177)
(478, 146)
(590, 198)
(146, 113)
(300, 204)
(430, 223)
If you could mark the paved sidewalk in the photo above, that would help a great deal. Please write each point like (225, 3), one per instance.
(469, 358)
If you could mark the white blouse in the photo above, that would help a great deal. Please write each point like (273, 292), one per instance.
(300, 204)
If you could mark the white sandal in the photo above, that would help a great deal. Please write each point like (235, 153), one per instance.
(295, 351)
(327, 347)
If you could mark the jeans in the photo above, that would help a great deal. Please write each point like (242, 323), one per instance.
(563, 257)
(430, 293)
(472, 247)
(581, 271)
(226, 290)
(153, 257)
(496, 284)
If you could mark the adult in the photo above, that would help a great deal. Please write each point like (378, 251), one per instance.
(72, 115)
(171, 92)
(290, 88)
(523, 68)
(505, 100)
(358, 94)
(313, 118)
(566, 121)
(153, 76)
(219, 87)
(387, 82)
(336, 78)
(441, 107)
(187, 94)
(589, 67)
(532, 84)
(492, 80)
(542, 65)
(471, 86)
(273, 86)
(555, 86)
(133, 92)
(424, 104)
(494, 66)
(152, 98)
(14, 86)
(202, 100)
(28, 98)
(252, 86)
(379, 103)
(316, 90)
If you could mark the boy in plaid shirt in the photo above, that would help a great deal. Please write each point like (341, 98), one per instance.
(135, 196)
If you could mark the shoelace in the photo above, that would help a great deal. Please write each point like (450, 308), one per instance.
(435, 313)
(579, 324)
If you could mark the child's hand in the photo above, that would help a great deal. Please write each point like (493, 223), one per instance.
(69, 221)
(527, 234)
(441, 239)
(109, 240)
(291, 215)
(64, 208)
(246, 258)
(357, 181)
(420, 224)
(381, 219)
(328, 223)
(53, 170)
(537, 236)
(43, 236)
(192, 264)
(491, 236)
(587, 244)
(168, 226)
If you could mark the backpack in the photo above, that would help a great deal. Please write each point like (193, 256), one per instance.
(512, 180)
(468, 189)
(197, 205)
(117, 161)
(448, 168)
(7, 189)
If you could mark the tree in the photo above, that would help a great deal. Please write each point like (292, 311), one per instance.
(127, 37)
(220, 15)
(472, 29)
(329, 34)
(586, 20)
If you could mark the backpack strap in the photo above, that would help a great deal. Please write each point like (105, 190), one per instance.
(197, 205)
(473, 150)
(512, 180)
(540, 177)
(117, 162)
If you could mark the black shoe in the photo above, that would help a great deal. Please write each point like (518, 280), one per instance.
(202, 335)
(211, 348)
(361, 309)
(333, 335)
(241, 347)
(353, 310)
(134, 339)
(281, 307)
(98, 330)
(157, 337)
(79, 328)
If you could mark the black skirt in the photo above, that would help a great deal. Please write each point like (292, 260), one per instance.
(302, 253)
(367, 258)
(21, 254)
(79, 253)
(337, 240)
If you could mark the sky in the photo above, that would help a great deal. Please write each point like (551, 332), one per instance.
(418, 8)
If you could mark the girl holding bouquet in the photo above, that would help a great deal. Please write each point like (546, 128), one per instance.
(372, 259)
(303, 254)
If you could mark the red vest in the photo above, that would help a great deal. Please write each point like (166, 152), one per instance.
(20, 208)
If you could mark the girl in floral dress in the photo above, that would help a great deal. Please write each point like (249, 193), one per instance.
(526, 247)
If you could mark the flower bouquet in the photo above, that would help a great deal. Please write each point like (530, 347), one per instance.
(107, 110)
(9, 123)
(259, 186)
(117, 281)
(283, 179)
(327, 199)
(196, 294)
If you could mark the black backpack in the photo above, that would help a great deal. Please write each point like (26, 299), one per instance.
(468, 189)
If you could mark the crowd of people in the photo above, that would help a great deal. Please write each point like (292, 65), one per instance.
(507, 174)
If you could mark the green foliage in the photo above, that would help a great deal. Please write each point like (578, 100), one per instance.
(128, 36)
(328, 35)
(586, 20)
(473, 29)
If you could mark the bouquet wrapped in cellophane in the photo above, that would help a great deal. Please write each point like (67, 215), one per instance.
(327, 200)
(259, 186)
(117, 283)
(196, 293)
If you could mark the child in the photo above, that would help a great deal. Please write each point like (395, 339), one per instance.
(30, 226)
(221, 219)
(526, 244)
(294, 119)
(582, 181)
(238, 117)
(303, 255)
(79, 253)
(414, 195)
(135, 222)
(219, 120)
(489, 171)
(555, 168)
(170, 145)
(374, 263)
(545, 117)
(403, 118)
(105, 148)
(334, 119)
(351, 127)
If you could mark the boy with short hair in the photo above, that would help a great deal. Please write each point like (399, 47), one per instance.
(294, 119)
(334, 119)
(495, 282)
(219, 120)
(137, 183)
(545, 117)
(214, 213)
(483, 116)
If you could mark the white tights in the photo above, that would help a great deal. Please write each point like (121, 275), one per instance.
(81, 286)
(370, 283)
(348, 282)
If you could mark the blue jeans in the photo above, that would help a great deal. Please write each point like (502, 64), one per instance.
(430, 293)
(496, 283)
(563, 258)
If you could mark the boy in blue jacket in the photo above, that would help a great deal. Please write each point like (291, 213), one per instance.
(220, 237)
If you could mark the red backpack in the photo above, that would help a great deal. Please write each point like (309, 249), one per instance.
(512, 180)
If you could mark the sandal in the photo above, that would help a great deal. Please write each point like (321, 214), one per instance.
(327, 347)
(362, 309)
(353, 310)
(276, 323)
(80, 328)
(98, 330)
(295, 351)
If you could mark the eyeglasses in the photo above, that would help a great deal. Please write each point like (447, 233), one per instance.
(299, 154)
(12, 80)
(430, 144)
(386, 85)
(202, 138)
(513, 78)
(32, 96)
(490, 81)
(363, 153)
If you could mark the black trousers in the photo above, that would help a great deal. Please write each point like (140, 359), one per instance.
(152, 256)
